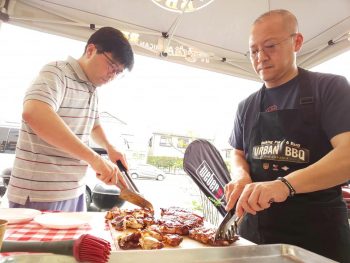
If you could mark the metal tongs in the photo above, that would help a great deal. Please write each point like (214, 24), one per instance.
(127, 177)
(228, 227)
(131, 194)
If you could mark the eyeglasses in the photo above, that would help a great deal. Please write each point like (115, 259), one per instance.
(114, 66)
(268, 48)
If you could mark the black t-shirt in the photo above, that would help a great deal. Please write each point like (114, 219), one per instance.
(282, 97)
(332, 105)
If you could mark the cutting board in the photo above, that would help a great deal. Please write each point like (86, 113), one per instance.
(187, 242)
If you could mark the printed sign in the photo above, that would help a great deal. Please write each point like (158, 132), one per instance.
(286, 151)
(208, 177)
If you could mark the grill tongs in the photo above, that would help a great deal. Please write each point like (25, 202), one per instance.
(229, 225)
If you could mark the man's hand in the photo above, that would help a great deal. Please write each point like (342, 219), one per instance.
(259, 196)
(114, 155)
(240, 178)
(107, 172)
(234, 189)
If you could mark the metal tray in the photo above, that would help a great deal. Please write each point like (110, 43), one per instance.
(37, 258)
(280, 253)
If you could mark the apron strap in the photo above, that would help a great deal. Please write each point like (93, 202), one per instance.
(306, 97)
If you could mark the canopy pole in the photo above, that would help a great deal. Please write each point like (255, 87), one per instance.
(169, 35)
(323, 47)
(4, 17)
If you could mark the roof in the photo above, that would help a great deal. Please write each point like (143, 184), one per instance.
(214, 37)
(9, 124)
(108, 117)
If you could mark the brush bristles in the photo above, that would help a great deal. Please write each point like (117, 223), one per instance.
(88, 248)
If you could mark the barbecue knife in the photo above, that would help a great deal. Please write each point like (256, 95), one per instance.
(131, 195)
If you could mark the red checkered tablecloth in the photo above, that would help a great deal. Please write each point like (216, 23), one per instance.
(32, 231)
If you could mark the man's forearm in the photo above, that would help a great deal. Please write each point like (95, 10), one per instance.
(45, 122)
(333, 169)
(99, 136)
(240, 167)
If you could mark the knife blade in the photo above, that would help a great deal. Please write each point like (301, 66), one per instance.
(131, 195)
(134, 198)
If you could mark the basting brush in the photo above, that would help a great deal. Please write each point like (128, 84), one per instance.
(86, 248)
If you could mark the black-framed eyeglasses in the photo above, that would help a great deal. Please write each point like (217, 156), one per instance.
(268, 48)
(114, 66)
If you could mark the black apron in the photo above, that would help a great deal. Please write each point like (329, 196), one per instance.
(281, 142)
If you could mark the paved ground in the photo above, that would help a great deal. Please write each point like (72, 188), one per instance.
(177, 190)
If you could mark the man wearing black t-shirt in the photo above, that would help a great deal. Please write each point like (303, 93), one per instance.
(291, 143)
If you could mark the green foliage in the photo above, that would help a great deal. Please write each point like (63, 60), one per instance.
(197, 206)
(228, 165)
(170, 163)
(216, 202)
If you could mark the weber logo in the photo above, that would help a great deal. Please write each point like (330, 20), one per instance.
(208, 177)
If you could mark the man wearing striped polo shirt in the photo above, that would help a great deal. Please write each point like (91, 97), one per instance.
(60, 114)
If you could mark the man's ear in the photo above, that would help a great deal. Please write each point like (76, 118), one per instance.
(90, 50)
(299, 39)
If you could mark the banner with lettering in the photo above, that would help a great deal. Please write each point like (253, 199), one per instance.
(203, 162)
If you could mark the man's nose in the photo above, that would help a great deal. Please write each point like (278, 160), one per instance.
(261, 55)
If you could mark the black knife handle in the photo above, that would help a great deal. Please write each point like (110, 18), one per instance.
(129, 180)
(121, 166)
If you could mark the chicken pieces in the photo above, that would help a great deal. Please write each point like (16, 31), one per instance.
(151, 233)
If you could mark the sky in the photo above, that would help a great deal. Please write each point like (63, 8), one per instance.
(157, 96)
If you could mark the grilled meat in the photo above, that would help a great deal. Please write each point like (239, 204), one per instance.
(206, 235)
(176, 220)
(119, 223)
(152, 233)
(133, 222)
(168, 230)
(172, 239)
(148, 242)
(129, 241)
(121, 219)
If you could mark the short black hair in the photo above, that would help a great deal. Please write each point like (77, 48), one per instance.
(110, 39)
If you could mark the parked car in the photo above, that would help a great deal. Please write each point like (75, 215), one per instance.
(8, 140)
(4, 180)
(2, 187)
(146, 171)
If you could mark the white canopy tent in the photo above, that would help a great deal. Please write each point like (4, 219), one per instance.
(209, 34)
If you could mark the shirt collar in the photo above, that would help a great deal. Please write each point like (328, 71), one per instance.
(78, 71)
